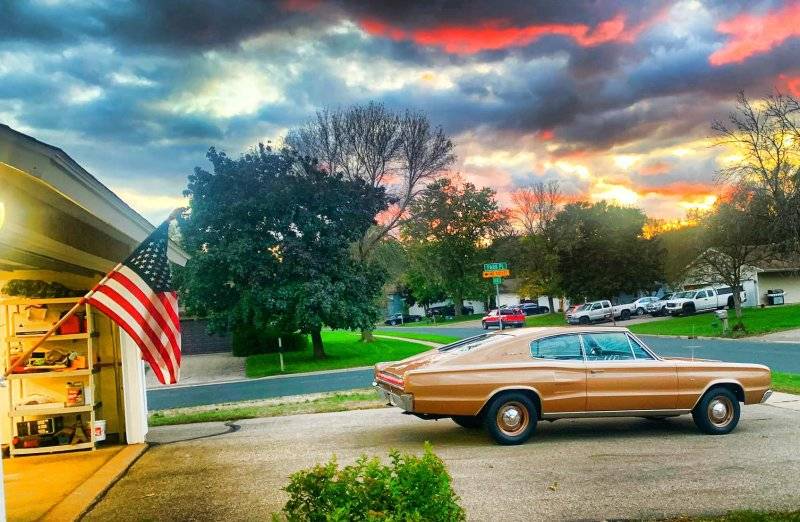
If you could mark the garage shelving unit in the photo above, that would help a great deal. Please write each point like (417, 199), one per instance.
(20, 383)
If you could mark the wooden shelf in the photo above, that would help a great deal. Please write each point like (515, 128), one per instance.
(52, 338)
(52, 449)
(14, 301)
(64, 410)
(41, 375)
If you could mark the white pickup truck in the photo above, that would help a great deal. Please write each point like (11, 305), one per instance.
(702, 300)
(596, 311)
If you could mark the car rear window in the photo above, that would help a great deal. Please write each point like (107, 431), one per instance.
(472, 343)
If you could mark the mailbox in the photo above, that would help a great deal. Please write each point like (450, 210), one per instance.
(722, 314)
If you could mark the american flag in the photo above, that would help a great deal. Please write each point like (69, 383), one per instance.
(138, 296)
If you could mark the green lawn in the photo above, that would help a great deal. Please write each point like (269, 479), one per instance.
(434, 338)
(344, 350)
(441, 320)
(556, 319)
(756, 320)
(786, 382)
(355, 400)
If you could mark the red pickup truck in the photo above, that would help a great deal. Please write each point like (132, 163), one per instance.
(503, 318)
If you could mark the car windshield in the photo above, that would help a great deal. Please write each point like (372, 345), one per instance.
(684, 295)
(667, 297)
(471, 343)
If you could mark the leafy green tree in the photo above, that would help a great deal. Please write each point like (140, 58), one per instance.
(270, 237)
(602, 252)
(447, 233)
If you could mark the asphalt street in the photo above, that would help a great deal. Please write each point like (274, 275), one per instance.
(783, 357)
(588, 469)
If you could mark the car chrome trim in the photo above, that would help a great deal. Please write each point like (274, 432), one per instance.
(767, 395)
(403, 401)
(614, 413)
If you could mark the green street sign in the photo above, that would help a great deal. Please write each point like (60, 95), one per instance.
(495, 266)
(497, 280)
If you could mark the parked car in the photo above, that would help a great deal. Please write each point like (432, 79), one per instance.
(659, 307)
(533, 309)
(572, 309)
(396, 319)
(598, 311)
(640, 305)
(449, 310)
(508, 381)
(702, 300)
(503, 318)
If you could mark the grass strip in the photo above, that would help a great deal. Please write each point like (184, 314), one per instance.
(786, 382)
(321, 403)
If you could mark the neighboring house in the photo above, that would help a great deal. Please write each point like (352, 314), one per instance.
(60, 224)
(783, 274)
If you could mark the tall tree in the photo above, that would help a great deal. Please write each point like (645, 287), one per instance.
(535, 209)
(602, 251)
(398, 153)
(765, 136)
(734, 240)
(448, 232)
(270, 237)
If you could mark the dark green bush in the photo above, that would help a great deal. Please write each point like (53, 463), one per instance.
(411, 488)
(251, 341)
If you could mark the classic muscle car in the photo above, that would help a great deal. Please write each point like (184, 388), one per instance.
(508, 381)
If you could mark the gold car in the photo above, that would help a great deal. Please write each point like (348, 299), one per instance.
(507, 381)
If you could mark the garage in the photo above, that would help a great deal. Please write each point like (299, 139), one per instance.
(61, 230)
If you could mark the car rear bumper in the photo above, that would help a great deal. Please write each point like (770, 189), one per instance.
(767, 395)
(404, 401)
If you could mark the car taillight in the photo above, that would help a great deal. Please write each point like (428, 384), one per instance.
(388, 378)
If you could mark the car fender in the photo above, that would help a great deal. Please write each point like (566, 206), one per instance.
(512, 388)
(717, 382)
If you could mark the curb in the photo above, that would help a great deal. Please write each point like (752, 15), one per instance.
(85, 496)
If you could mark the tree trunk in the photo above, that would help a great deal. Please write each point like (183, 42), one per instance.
(366, 336)
(316, 343)
(458, 304)
(737, 304)
(550, 304)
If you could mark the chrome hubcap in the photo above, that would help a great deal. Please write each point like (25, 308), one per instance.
(720, 411)
(512, 418)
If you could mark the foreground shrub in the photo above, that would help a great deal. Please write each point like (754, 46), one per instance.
(411, 488)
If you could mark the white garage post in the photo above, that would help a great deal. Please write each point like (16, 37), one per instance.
(134, 390)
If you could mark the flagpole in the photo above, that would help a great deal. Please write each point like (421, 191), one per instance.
(71, 312)
(55, 327)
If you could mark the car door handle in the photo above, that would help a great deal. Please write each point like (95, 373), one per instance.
(597, 371)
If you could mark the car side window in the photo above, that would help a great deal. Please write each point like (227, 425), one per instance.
(559, 348)
(610, 346)
(638, 350)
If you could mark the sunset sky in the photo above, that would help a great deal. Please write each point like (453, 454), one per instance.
(615, 99)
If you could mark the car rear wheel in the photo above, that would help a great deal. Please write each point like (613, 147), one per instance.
(640, 311)
(511, 418)
(468, 421)
(718, 411)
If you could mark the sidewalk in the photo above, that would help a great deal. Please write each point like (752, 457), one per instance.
(205, 369)
(786, 336)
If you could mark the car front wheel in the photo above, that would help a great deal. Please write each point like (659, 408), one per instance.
(468, 421)
(718, 411)
(484, 325)
(511, 418)
(583, 320)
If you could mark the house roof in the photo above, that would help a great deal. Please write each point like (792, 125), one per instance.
(55, 168)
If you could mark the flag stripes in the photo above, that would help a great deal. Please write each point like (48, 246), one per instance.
(136, 296)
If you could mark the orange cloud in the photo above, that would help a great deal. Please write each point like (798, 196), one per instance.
(790, 83)
(499, 34)
(547, 134)
(755, 34)
(681, 190)
(658, 167)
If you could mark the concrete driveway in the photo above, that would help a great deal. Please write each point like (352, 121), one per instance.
(572, 469)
